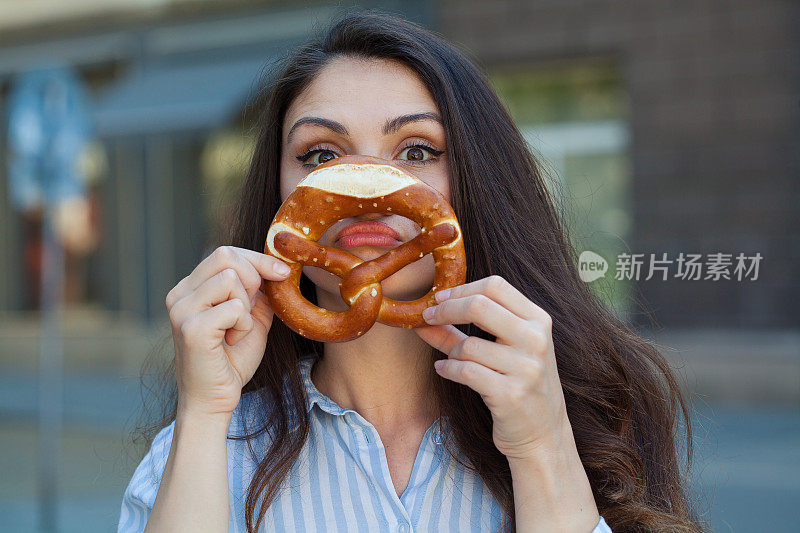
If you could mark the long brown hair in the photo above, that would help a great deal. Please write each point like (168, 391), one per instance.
(622, 399)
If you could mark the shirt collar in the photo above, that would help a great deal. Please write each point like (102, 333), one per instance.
(313, 395)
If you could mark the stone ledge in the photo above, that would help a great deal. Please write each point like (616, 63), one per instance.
(734, 366)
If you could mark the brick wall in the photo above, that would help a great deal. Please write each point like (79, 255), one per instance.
(714, 90)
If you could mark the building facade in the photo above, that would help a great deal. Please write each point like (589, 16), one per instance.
(679, 120)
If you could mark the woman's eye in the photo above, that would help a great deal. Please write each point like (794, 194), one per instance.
(414, 154)
(325, 156)
(317, 157)
(419, 153)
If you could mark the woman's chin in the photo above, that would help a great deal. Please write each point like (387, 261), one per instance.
(405, 289)
(409, 283)
(404, 292)
(399, 295)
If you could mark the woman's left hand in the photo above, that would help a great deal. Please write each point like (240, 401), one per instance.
(516, 375)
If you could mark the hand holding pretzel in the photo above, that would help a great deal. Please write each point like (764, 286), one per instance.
(345, 187)
(220, 322)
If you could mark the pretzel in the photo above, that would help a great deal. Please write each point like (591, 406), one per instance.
(345, 187)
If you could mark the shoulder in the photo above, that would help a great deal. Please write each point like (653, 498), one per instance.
(601, 527)
(152, 466)
(248, 438)
(140, 494)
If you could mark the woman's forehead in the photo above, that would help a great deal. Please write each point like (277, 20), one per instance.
(362, 88)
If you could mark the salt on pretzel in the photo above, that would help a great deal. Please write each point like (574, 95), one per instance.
(346, 187)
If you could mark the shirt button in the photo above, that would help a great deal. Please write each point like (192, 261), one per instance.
(404, 528)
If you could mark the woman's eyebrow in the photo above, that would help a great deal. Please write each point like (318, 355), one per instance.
(395, 124)
(324, 122)
(391, 126)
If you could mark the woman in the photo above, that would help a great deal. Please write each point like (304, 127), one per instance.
(523, 405)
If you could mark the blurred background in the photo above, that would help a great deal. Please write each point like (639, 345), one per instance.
(664, 128)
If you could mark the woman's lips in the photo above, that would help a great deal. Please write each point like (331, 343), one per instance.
(372, 233)
(367, 239)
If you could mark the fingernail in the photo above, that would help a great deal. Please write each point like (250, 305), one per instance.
(442, 295)
(438, 364)
(427, 313)
(281, 269)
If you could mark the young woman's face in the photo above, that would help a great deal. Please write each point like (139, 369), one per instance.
(369, 107)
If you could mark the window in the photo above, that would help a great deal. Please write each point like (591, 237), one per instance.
(573, 114)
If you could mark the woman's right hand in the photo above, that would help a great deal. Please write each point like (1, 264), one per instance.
(220, 319)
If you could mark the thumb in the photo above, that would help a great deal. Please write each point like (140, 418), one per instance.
(262, 316)
(246, 354)
(442, 337)
(261, 311)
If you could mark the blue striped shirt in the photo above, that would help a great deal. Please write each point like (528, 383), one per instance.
(340, 482)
